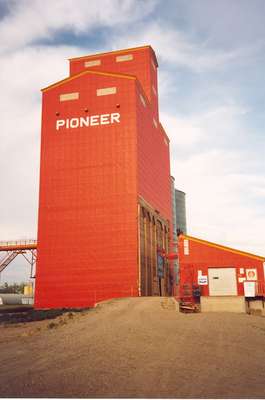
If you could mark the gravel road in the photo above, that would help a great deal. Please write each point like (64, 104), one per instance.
(135, 348)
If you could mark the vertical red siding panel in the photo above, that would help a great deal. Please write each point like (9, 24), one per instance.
(153, 165)
(87, 237)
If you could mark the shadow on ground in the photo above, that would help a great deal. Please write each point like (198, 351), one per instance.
(21, 314)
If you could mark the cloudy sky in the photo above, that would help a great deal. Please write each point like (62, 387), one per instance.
(211, 56)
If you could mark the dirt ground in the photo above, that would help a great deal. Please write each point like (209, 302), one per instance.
(135, 348)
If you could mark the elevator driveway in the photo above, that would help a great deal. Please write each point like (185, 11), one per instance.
(135, 348)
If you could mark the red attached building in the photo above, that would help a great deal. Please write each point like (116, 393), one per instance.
(105, 202)
(210, 269)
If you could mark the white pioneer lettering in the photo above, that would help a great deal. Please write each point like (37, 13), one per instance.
(74, 123)
(115, 117)
(84, 121)
(104, 119)
(93, 120)
(59, 123)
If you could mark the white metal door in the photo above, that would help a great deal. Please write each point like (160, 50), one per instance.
(222, 282)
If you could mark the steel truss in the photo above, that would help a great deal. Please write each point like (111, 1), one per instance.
(11, 249)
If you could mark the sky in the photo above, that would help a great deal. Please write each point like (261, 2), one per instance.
(211, 57)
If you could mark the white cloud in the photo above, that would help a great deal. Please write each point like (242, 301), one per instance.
(32, 20)
(182, 131)
(24, 72)
(219, 124)
(177, 48)
(219, 202)
(215, 175)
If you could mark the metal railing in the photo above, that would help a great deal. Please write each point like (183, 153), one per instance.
(12, 245)
(20, 242)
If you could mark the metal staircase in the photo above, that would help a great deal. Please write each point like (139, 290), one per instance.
(7, 259)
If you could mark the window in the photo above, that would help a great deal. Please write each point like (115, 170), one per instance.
(106, 91)
(125, 57)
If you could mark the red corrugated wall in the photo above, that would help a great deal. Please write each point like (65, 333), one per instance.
(202, 256)
(153, 163)
(143, 65)
(87, 237)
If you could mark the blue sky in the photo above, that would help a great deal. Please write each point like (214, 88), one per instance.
(211, 56)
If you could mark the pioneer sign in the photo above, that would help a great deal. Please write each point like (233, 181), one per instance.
(92, 120)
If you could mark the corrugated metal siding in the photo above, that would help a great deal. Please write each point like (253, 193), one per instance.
(153, 165)
(87, 238)
(140, 66)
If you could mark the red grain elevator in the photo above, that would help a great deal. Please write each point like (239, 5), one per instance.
(105, 199)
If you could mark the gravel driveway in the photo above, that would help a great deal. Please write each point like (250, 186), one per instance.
(135, 348)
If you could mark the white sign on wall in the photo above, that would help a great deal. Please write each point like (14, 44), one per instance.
(251, 274)
(202, 280)
(250, 289)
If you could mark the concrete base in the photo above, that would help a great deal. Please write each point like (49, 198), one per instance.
(176, 304)
(256, 307)
(223, 303)
(169, 303)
